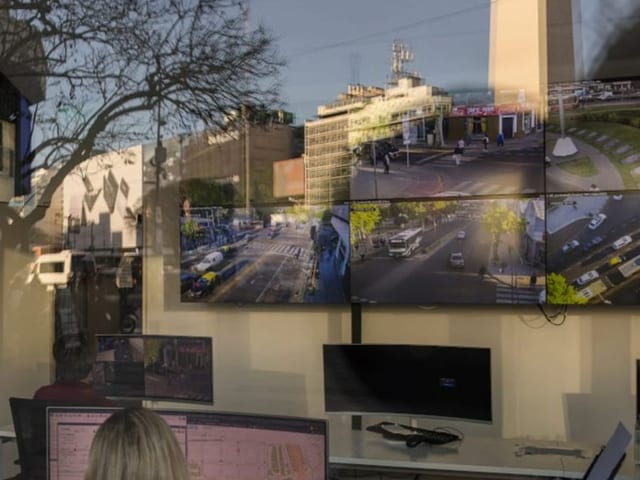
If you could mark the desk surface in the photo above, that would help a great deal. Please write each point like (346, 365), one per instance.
(494, 456)
(7, 432)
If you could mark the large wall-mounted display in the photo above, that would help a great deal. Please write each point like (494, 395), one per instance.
(448, 204)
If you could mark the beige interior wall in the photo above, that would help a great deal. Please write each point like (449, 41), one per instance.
(567, 382)
(26, 334)
(572, 381)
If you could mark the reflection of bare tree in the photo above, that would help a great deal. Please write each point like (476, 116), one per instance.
(108, 66)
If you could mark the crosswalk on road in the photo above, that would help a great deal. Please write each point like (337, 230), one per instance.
(482, 188)
(522, 295)
(282, 249)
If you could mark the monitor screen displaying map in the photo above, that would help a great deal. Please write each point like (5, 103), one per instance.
(216, 445)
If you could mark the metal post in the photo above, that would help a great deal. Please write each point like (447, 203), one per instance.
(356, 337)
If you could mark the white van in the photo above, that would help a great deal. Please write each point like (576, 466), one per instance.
(58, 269)
(208, 262)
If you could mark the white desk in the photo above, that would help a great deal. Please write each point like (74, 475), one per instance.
(474, 456)
(7, 433)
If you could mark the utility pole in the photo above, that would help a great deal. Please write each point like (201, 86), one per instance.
(247, 159)
(158, 161)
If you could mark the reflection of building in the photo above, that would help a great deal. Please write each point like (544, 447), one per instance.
(102, 204)
(533, 245)
(288, 178)
(20, 86)
(363, 114)
(564, 45)
(517, 50)
(221, 158)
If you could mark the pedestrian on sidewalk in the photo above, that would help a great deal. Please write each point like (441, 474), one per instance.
(458, 152)
(387, 161)
(500, 139)
(485, 142)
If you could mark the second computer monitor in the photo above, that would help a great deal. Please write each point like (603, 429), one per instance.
(157, 367)
(442, 381)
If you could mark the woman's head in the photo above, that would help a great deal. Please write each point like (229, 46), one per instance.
(136, 444)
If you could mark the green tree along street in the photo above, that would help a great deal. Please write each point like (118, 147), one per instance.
(363, 219)
(190, 229)
(559, 292)
(203, 193)
(500, 220)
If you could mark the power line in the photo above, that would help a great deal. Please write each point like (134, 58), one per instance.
(393, 30)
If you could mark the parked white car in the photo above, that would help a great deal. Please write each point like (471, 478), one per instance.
(569, 246)
(588, 277)
(621, 242)
(597, 221)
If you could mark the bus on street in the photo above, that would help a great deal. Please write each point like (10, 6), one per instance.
(403, 244)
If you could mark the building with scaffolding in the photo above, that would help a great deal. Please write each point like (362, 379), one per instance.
(360, 115)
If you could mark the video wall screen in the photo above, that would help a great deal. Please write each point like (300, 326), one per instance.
(289, 254)
(154, 367)
(506, 203)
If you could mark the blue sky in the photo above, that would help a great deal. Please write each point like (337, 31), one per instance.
(330, 43)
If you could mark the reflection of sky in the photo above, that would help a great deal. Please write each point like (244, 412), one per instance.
(331, 43)
(602, 20)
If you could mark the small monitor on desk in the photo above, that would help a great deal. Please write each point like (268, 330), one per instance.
(216, 445)
(154, 367)
(440, 381)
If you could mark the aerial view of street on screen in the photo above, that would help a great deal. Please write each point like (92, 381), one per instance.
(474, 160)
(456, 251)
(593, 248)
(289, 254)
(593, 136)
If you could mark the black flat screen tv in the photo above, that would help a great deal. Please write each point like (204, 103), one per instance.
(420, 380)
(158, 367)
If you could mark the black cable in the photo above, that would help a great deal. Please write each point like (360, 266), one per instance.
(552, 318)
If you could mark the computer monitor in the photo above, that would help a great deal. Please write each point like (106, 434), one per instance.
(422, 380)
(216, 445)
(159, 367)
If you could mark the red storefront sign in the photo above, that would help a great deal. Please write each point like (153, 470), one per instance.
(487, 110)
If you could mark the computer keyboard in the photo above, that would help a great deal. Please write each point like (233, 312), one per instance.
(412, 435)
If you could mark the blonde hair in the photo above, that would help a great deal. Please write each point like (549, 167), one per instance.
(136, 444)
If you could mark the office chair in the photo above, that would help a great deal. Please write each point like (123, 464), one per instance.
(30, 424)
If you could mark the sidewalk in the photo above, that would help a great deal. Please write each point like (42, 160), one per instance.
(373, 182)
(511, 268)
(585, 206)
(606, 178)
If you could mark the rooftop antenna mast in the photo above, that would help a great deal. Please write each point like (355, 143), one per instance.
(400, 56)
(354, 64)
